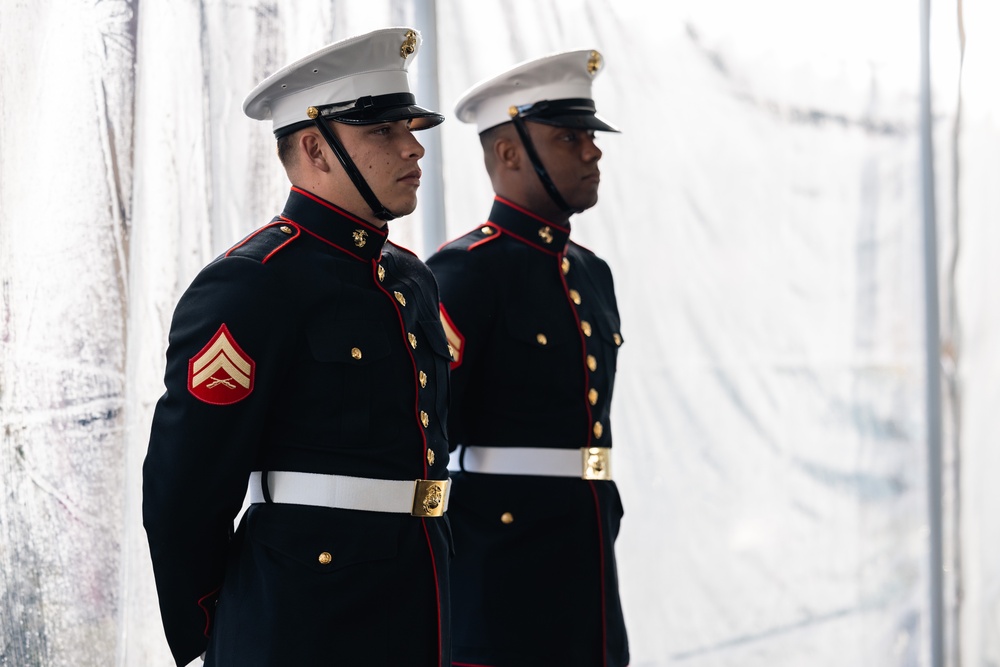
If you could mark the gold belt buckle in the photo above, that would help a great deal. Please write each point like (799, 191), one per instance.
(596, 462)
(428, 497)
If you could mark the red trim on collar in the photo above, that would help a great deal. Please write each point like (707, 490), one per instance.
(549, 251)
(507, 202)
(327, 241)
(334, 207)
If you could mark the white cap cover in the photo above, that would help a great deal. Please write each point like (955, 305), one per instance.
(341, 73)
(557, 77)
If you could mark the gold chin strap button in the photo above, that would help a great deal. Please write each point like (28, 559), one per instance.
(325, 558)
(591, 362)
(506, 517)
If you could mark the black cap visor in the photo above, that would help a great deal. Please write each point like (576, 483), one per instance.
(579, 113)
(371, 110)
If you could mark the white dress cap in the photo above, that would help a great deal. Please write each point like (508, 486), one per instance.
(359, 80)
(563, 79)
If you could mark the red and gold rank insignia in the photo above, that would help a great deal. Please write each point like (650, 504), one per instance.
(456, 341)
(221, 373)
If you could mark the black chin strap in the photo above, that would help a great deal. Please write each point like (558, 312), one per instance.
(550, 187)
(378, 210)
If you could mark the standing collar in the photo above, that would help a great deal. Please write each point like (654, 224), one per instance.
(529, 228)
(335, 226)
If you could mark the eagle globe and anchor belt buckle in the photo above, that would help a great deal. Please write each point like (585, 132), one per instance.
(429, 497)
(596, 462)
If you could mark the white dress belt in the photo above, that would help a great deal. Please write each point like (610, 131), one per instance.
(417, 497)
(582, 463)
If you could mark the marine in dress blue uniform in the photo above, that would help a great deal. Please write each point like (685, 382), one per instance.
(309, 364)
(533, 322)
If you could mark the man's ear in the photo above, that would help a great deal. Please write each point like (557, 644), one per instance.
(312, 145)
(507, 152)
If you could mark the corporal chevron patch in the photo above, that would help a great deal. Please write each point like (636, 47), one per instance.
(221, 373)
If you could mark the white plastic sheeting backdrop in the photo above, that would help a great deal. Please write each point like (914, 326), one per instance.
(762, 214)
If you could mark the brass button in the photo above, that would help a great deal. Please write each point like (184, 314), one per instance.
(542, 339)
(565, 265)
(575, 296)
(400, 298)
(286, 229)
(423, 379)
(592, 396)
(585, 327)
(412, 339)
(506, 517)
(381, 273)
(598, 430)
(356, 353)
(591, 362)
(487, 230)
(425, 419)
(618, 339)
(325, 558)
(430, 457)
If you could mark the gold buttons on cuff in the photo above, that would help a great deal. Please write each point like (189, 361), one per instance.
(506, 517)
(425, 419)
(618, 339)
(356, 353)
(487, 230)
(423, 379)
(585, 328)
(413, 340)
(430, 457)
(325, 558)
(591, 362)
(400, 298)
(542, 339)
(575, 296)
(592, 396)
(381, 273)
(286, 229)
(598, 430)
(565, 265)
